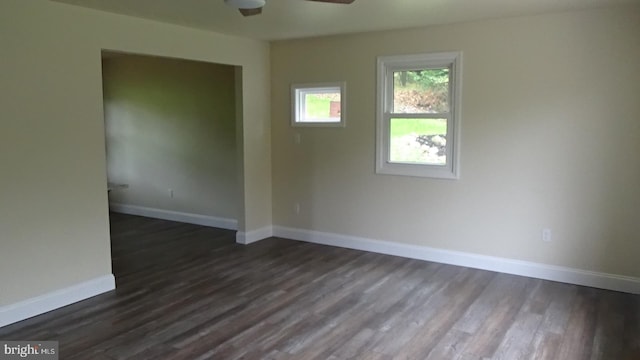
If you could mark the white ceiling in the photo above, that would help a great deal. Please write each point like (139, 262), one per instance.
(287, 19)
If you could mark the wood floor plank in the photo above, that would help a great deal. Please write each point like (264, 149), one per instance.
(481, 310)
(189, 292)
(456, 297)
(631, 336)
(490, 332)
(578, 337)
(544, 346)
(515, 344)
(451, 345)
(609, 322)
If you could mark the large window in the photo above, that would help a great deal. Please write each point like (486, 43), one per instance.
(418, 115)
(318, 104)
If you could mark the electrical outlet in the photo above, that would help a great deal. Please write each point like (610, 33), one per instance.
(296, 208)
(546, 235)
(297, 139)
(171, 193)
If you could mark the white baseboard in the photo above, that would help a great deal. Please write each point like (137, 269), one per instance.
(25, 309)
(517, 267)
(204, 220)
(249, 237)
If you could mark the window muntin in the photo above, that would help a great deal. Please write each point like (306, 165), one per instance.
(418, 115)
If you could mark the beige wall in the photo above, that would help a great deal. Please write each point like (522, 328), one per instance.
(170, 126)
(550, 138)
(53, 201)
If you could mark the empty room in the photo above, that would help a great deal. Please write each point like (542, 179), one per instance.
(317, 179)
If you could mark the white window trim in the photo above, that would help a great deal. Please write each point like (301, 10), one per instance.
(389, 64)
(297, 106)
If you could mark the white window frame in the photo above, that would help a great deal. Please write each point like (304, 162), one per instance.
(386, 66)
(298, 91)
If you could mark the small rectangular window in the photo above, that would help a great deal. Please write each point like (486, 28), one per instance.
(318, 104)
(418, 115)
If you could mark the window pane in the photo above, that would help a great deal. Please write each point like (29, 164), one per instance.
(322, 106)
(421, 91)
(418, 141)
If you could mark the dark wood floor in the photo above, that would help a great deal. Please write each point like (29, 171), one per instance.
(189, 292)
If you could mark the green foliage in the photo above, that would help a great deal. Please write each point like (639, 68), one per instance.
(421, 91)
(317, 106)
(405, 148)
(432, 79)
(403, 127)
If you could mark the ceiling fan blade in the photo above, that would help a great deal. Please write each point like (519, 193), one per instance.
(250, 12)
(335, 1)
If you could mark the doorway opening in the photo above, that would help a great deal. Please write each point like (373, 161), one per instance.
(173, 139)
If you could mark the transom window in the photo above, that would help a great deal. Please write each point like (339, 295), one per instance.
(418, 115)
(318, 104)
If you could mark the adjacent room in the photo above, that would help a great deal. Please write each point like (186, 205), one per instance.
(170, 138)
(307, 179)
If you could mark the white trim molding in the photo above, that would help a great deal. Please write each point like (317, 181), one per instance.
(509, 266)
(25, 309)
(387, 67)
(298, 104)
(250, 237)
(197, 219)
